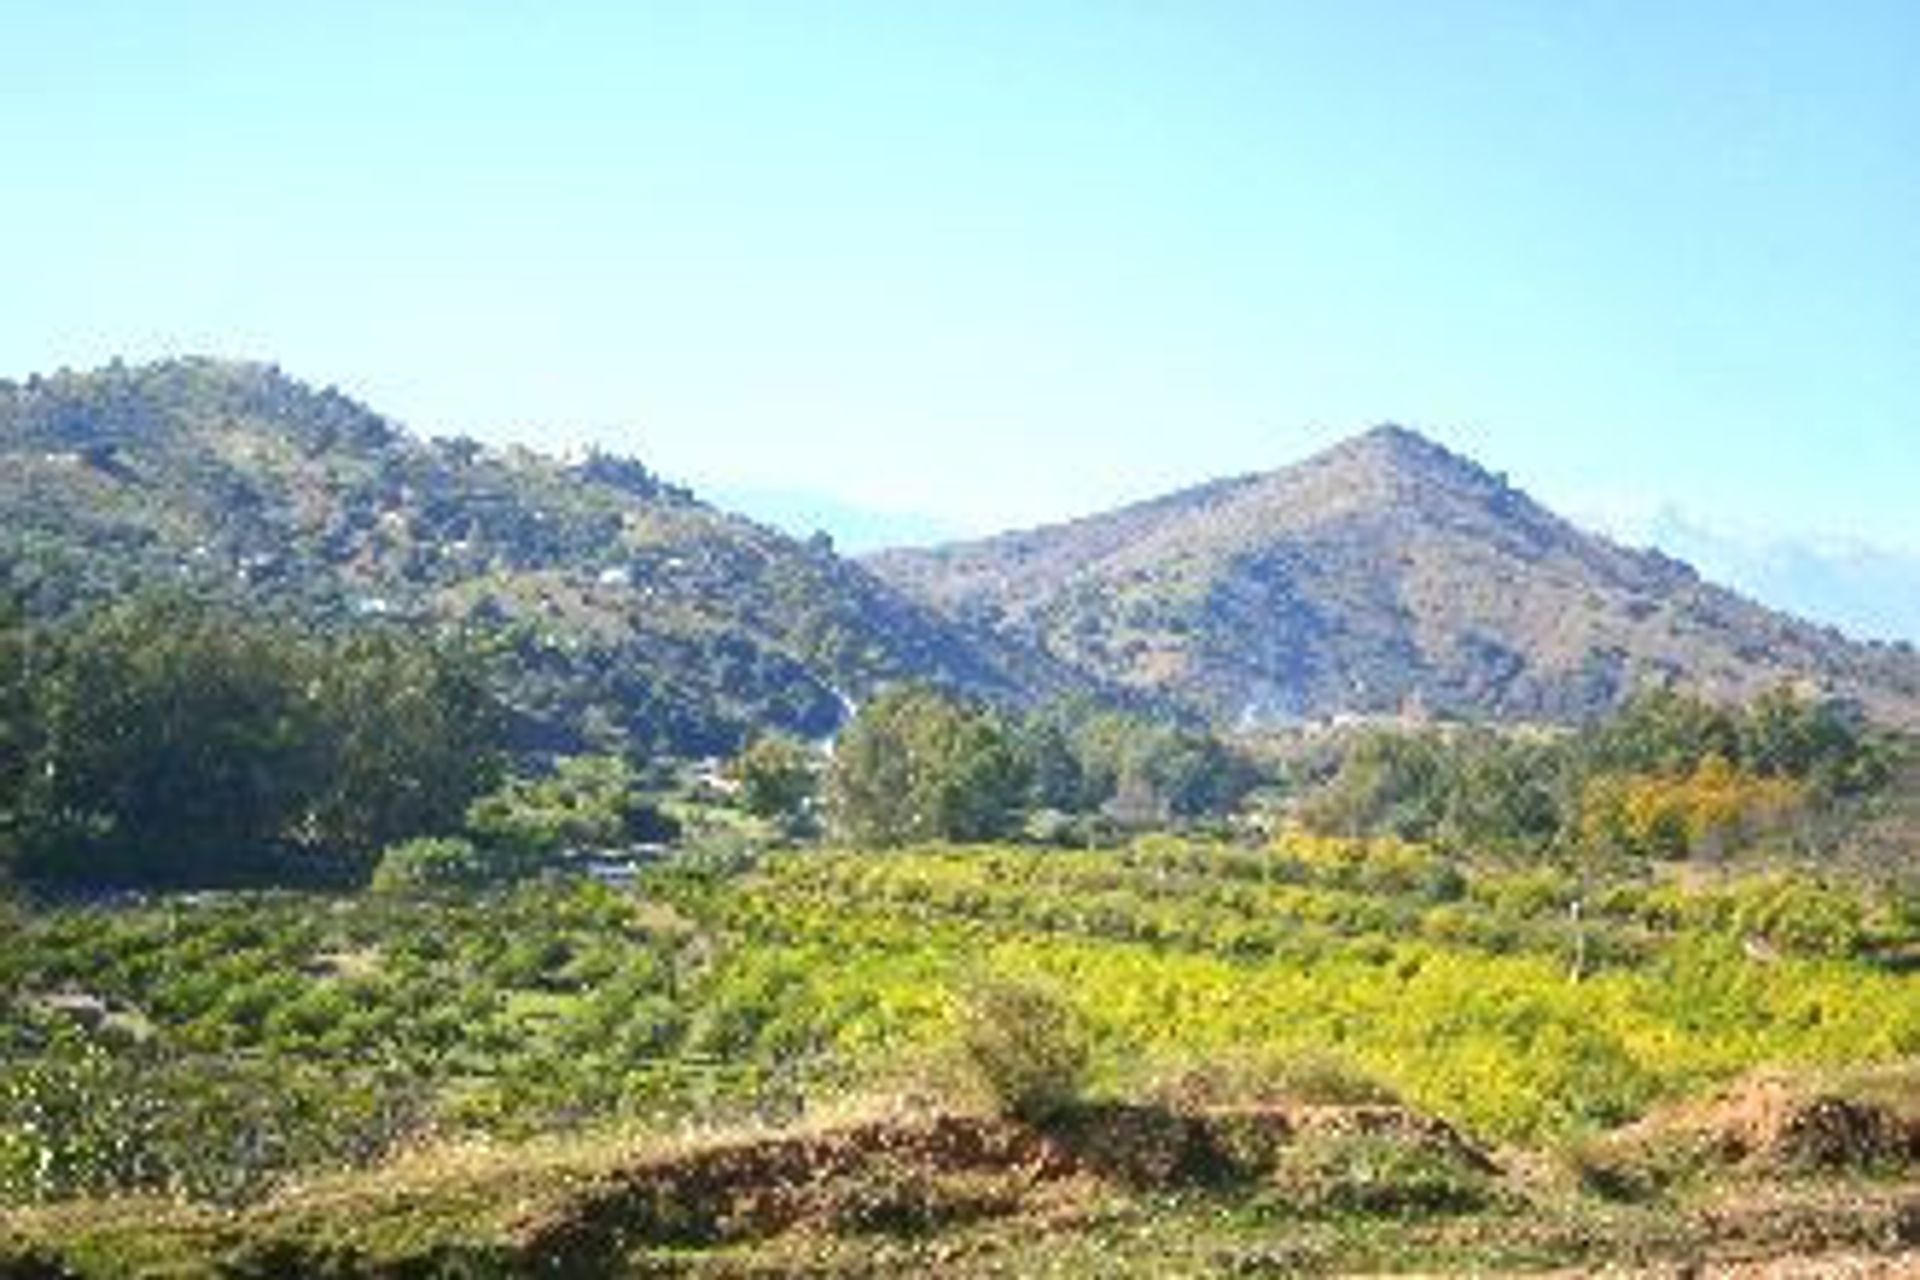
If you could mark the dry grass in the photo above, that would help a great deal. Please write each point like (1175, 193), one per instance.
(889, 1184)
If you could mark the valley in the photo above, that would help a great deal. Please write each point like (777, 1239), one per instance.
(430, 859)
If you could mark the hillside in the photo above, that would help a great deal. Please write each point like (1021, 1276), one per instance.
(1382, 575)
(628, 611)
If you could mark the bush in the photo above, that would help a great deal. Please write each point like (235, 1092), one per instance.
(588, 802)
(1026, 1044)
(439, 862)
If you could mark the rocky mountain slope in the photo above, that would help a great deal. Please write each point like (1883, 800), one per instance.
(1384, 575)
(629, 612)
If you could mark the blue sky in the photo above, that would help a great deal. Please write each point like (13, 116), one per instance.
(921, 266)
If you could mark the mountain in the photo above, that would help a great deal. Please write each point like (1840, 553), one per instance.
(629, 612)
(1384, 575)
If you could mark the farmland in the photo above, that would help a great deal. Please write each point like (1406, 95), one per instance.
(224, 1054)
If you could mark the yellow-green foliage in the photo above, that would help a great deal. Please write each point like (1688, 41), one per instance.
(1467, 1007)
(1797, 913)
(1711, 808)
(728, 987)
(1387, 863)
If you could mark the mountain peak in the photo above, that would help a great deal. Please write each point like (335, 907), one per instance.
(1395, 436)
(638, 617)
(1404, 451)
(1382, 572)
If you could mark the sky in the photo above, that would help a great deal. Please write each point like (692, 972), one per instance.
(910, 268)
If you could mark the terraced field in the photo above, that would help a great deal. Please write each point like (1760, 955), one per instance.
(1308, 1055)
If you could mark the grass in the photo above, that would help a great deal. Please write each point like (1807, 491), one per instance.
(502, 1058)
(876, 1190)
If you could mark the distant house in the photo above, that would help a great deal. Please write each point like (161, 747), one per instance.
(711, 775)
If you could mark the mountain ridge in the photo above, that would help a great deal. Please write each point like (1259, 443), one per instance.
(1384, 574)
(635, 613)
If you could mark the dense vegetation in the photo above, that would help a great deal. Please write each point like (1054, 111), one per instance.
(919, 765)
(1066, 917)
(1669, 776)
(209, 1045)
(628, 615)
(167, 742)
(1482, 932)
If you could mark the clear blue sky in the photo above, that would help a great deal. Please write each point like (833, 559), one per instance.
(984, 263)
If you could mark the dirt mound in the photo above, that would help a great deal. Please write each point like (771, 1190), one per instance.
(869, 1189)
(1775, 1120)
(914, 1177)
(1766, 1122)
(877, 1176)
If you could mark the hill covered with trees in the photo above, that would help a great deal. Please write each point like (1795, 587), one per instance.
(629, 613)
(1384, 575)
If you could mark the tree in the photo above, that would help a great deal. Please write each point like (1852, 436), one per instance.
(174, 741)
(410, 732)
(588, 802)
(918, 765)
(1503, 794)
(168, 740)
(1709, 810)
(1194, 774)
(1663, 731)
(1785, 735)
(778, 778)
(1145, 772)
(19, 746)
(1387, 784)
(1047, 752)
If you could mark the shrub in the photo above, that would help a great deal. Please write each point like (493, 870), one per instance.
(437, 862)
(1027, 1045)
(587, 803)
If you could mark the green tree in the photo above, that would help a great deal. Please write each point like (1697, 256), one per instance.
(1194, 774)
(175, 741)
(588, 802)
(1147, 771)
(778, 777)
(1504, 794)
(918, 765)
(1387, 784)
(1046, 749)
(1785, 735)
(1663, 731)
(18, 730)
(167, 740)
(409, 731)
